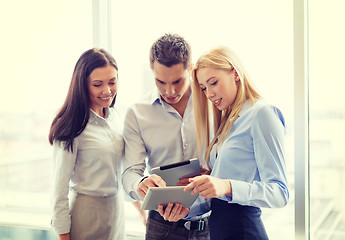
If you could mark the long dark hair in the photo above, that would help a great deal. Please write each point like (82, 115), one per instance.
(74, 114)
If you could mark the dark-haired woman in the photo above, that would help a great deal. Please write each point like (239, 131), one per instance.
(88, 147)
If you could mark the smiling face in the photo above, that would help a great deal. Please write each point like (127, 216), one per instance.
(102, 85)
(172, 82)
(218, 85)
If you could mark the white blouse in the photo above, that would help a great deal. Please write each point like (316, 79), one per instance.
(93, 168)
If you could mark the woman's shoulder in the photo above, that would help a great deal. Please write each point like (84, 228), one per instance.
(116, 117)
(264, 111)
(118, 111)
(262, 106)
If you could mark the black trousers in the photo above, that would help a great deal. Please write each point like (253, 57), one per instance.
(232, 221)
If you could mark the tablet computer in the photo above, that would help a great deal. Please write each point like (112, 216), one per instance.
(165, 195)
(172, 173)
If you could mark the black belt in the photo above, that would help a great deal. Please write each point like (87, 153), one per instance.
(198, 225)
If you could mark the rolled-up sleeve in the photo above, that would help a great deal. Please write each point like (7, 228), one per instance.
(64, 163)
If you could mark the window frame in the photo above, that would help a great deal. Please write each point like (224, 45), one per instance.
(301, 118)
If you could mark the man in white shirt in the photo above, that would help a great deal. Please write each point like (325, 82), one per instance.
(161, 130)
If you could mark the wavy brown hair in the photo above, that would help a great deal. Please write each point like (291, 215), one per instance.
(73, 116)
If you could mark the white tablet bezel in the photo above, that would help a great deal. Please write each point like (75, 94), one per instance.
(165, 195)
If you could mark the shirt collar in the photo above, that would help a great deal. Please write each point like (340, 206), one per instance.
(156, 97)
(94, 116)
(246, 105)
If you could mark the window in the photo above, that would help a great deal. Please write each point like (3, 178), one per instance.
(41, 41)
(327, 120)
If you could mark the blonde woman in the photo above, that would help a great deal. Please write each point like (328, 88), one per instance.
(246, 155)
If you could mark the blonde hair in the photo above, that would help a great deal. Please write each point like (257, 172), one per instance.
(225, 59)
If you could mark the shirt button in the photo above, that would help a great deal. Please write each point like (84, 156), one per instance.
(186, 145)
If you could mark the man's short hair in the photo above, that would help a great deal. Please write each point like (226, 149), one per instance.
(170, 49)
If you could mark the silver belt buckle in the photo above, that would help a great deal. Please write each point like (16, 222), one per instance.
(187, 225)
(201, 225)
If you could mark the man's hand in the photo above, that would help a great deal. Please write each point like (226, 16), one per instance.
(152, 181)
(204, 171)
(173, 212)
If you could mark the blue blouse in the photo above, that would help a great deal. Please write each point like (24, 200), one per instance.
(253, 158)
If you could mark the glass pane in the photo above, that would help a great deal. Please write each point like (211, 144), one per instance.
(260, 32)
(20, 233)
(41, 41)
(327, 119)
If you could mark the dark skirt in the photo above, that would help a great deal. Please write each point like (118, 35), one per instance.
(234, 221)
